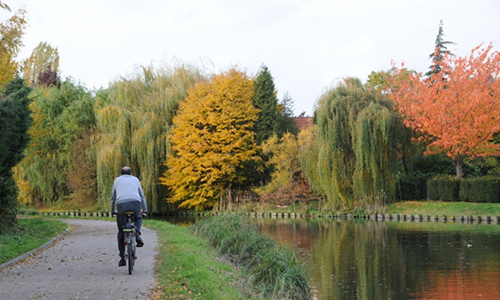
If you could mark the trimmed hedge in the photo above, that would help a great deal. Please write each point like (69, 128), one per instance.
(449, 188)
(412, 187)
(481, 189)
(443, 187)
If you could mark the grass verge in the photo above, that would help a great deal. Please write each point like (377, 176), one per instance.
(275, 270)
(188, 268)
(443, 208)
(28, 235)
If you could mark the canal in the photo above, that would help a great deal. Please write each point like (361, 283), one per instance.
(367, 259)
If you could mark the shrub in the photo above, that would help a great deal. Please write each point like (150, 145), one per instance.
(412, 186)
(481, 189)
(443, 187)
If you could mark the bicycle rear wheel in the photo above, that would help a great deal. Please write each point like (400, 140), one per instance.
(130, 254)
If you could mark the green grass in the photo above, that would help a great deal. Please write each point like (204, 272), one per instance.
(442, 208)
(188, 268)
(28, 235)
(276, 270)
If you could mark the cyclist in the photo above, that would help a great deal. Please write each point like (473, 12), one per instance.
(127, 196)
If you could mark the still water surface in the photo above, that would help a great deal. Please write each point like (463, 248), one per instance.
(394, 260)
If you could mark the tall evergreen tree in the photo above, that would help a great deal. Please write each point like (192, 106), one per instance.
(266, 101)
(440, 50)
(15, 120)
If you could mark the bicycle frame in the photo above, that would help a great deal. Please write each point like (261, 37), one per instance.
(130, 245)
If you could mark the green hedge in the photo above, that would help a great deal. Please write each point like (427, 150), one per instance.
(411, 187)
(449, 188)
(481, 189)
(443, 187)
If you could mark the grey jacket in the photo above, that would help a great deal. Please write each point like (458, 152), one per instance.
(127, 188)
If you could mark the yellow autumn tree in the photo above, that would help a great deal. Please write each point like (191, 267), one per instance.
(284, 160)
(212, 141)
(11, 32)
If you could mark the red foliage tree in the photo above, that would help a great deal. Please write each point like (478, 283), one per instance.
(457, 109)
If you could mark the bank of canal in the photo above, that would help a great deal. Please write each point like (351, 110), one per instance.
(391, 258)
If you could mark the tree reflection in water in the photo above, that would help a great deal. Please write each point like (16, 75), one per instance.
(395, 260)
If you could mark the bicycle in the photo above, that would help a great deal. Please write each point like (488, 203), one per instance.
(129, 231)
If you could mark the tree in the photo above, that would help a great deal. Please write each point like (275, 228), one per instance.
(409, 150)
(265, 100)
(212, 141)
(15, 120)
(352, 159)
(11, 33)
(456, 110)
(288, 183)
(440, 50)
(61, 116)
(42, 66)
(285, 122)
(284, 158)
(134, 118)
(82, 172)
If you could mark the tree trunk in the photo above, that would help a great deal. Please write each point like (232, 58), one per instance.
(458, 167)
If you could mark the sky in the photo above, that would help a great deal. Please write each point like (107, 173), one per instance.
(309, 46)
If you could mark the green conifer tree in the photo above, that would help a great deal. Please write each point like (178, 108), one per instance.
(440, 50)
(15, 119)
(266, 101)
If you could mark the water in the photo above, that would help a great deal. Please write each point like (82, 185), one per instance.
(394, 260)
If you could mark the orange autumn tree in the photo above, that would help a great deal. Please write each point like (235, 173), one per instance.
(457, 109)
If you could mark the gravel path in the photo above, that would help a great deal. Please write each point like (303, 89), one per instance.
(82, 264)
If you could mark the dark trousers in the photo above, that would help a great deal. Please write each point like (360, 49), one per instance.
(121, 221)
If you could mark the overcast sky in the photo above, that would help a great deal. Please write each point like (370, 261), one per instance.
(308, 45)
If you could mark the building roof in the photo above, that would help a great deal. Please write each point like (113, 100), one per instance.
(303, 122)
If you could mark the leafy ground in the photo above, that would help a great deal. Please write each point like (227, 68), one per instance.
(28, 235)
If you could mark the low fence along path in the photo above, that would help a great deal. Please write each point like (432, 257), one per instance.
(82, 264)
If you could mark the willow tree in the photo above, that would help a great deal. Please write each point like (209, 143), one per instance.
(212, 141)
(134, 117)
(308, 156)
(61, 115)
(355, 144)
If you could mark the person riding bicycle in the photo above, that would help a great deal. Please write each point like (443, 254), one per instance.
(127, 196)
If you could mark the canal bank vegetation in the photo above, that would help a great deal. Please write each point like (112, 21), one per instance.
(225, 258)
(410, 207)
(276, 270)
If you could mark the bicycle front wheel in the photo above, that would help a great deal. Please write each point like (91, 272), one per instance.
(130, 251)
